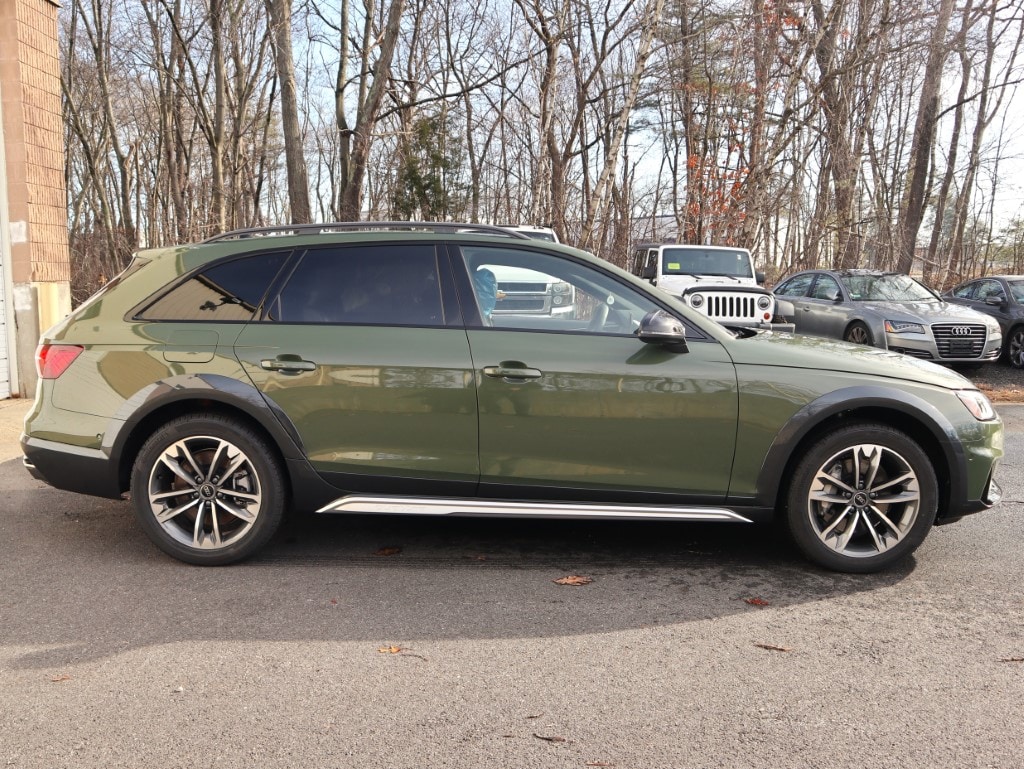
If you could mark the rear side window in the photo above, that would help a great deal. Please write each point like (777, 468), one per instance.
(390, 285)
(225, 292)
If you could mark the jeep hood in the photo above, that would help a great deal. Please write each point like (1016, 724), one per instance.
(772, 349)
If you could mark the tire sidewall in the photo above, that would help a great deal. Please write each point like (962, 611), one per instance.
(264, 463)
(797, 517)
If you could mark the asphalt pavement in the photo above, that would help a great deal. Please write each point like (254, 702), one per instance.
(390, 642)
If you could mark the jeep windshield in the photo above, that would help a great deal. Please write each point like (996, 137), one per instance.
(886, 288)
(706, 261)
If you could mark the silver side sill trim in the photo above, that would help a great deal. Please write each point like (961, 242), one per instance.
(490, 507)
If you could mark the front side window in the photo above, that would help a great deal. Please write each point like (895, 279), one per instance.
(226, 292)
(795, 286)
(965, 291)
(388, 284)
(987, 288)
(521, 289)
(826, 288)
(1017, 290)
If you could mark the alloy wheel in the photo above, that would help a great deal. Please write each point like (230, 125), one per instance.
(863, 500)
(204, 492)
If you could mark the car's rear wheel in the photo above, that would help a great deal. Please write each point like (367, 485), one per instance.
(862, 498)
(858, 333)
(208, 490)
(1015, 347)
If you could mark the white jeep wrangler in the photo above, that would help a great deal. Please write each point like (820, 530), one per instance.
(717, 281)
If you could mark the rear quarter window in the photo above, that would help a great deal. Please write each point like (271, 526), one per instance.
(225, 292)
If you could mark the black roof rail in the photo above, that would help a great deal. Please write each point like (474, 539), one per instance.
(332, 227)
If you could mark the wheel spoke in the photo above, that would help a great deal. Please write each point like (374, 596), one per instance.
(824, 496)
(907, 476)
(221, 448)
(238, 512)
(166, 515)
(235, 464)
(872, 472)
(897, 532)
(825, 478)
(839, 519)
(172, 462)
(843, 539)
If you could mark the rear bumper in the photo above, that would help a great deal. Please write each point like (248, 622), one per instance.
(70, 468)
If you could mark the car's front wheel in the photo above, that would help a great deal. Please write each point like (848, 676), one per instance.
(858, 333)
(208, 490)
(862, 498)
(1015, 347)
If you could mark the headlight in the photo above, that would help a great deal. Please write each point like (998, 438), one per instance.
(977, 404)
(903, 327)
(561, 288)
(696, 300)
(764, 302)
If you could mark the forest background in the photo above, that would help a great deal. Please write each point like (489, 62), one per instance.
(852, 133)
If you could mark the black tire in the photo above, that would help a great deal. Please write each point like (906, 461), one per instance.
(1015, 347)
(859, 333)
(840, 525)
(178, 468)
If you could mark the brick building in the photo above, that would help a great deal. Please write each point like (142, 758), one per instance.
(34, 268)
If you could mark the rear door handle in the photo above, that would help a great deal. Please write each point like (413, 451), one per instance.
(287, 364)
(512, 371)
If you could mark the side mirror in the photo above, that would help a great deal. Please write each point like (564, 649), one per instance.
(759, 277)
(995, 300)
(658, 327)
(650, 272)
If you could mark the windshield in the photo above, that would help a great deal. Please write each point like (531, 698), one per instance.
(706, 261)
(1017, 289)
(886, 288)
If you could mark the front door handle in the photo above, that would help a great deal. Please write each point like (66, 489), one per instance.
(287, 364)
(512, 370)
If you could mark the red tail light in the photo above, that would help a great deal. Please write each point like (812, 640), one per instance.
(52, 360)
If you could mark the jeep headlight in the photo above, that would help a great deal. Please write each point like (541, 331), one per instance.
(976, 402)
(696, 300)
(561, 288)
(903, 327)
(764, 302)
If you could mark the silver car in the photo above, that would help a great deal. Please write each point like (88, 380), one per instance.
(892, 311)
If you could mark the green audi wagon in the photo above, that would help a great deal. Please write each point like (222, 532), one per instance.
(371, 368)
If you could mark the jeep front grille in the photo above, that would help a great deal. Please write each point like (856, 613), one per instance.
(720, 306)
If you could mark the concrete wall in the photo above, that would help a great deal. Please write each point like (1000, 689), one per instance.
(35, 249)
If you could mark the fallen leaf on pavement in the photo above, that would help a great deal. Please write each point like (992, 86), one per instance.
(61, 678)
(388, 551)
(549, 739)
(598, 763)
(538, 715)
(1012, 659)
(390, 650)
(573, 579)
(772, 648)
(756, 602)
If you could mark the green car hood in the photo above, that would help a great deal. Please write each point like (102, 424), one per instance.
(773, 349)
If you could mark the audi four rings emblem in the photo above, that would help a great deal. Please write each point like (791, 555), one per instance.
(961, 330)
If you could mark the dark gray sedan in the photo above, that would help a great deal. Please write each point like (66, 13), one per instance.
(1002, 297)
(892, 311)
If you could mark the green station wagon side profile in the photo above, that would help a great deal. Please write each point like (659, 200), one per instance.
(361, 368)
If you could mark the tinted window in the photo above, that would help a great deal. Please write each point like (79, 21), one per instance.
(987, 288)
(826, 288)
(965, 292)
(796, 286)
(394, 285)
(228, 291)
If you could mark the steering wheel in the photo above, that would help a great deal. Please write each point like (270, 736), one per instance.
(597, 320)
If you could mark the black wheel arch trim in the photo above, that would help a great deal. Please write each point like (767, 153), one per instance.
(213, 388)
(773, 470)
